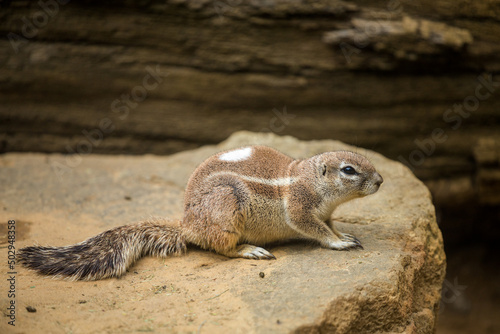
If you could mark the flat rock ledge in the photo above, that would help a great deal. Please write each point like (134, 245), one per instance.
(392, 286)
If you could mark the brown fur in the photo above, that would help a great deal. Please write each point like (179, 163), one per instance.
(235, 201)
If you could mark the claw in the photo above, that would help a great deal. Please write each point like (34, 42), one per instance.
(357, 246)
(351, 238)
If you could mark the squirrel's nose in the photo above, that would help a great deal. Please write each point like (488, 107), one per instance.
(378, 179)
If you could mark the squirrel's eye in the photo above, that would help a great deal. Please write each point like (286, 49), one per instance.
(349, 170)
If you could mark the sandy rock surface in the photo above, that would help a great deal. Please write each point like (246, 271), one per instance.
(393, 285)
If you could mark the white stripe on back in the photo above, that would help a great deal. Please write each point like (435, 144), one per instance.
(282, 181)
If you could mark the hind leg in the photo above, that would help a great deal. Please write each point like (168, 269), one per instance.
(216, 222)
(248, 252)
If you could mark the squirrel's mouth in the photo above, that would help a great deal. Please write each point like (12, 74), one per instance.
(373, 189)
(371, 186)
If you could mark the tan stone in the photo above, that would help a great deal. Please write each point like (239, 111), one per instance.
(393, 285)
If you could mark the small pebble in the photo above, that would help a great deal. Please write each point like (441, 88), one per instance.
(30, 309)
(262, 275)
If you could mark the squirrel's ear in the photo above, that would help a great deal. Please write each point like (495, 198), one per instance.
(324, 169)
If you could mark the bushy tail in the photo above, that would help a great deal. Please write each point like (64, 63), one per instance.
(108, 254)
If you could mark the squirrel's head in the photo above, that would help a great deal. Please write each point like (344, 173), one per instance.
(347, 173)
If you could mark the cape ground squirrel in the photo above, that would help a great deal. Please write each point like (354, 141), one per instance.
(234, 201)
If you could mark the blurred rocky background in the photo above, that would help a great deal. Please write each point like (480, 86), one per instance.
(415, 80)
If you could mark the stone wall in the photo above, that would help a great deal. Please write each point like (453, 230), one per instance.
(416, 81)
